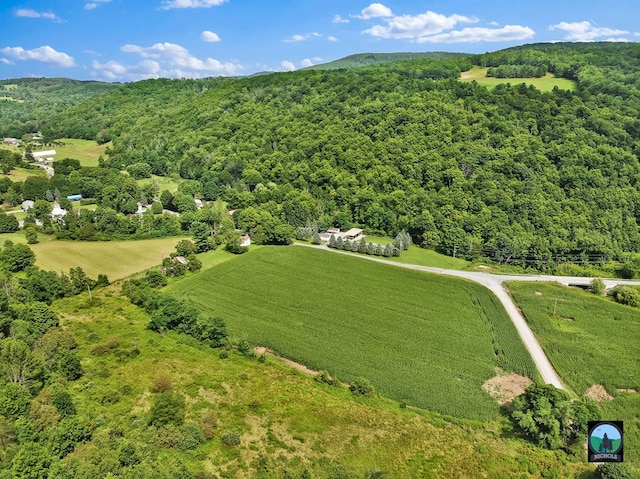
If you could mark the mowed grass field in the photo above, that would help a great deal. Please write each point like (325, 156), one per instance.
(590, 340)
(116, 259)
(546, 83)
(86, 152)
(428, 340)
(162, 182)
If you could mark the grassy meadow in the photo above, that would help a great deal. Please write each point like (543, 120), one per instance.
(21, 174)
(86, 152)
(590, 341)
(428, 340)
(546, 83)
(287, 421)
(162, 182)
(116, 259)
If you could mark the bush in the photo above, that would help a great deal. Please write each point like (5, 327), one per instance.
(597, 287)
(167, 408)
(161, 384)
(231, 438)
(613, 470)
(235, 248)
(626, 295)
(192, 437)
(361, 387)
(209, 425)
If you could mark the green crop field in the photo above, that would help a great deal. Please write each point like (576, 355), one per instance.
(425, 339)
(546, 83)
(85, 151)
(116, 259)
(590, 341)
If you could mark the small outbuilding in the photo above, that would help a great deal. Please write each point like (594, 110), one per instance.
(27, 205)
(74, 197)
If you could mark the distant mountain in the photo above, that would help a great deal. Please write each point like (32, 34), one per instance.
(366, 59)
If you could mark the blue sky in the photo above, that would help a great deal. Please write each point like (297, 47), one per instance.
(129, 40)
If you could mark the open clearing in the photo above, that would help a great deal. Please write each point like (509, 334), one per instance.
(162, 182)
(546, 83)
(428, 340)
(116, 259)
(86, 152)
(21, 174)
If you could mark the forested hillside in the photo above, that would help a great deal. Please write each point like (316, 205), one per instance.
(510, 173)
(26, 102)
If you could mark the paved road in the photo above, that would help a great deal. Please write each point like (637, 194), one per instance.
(495, 283)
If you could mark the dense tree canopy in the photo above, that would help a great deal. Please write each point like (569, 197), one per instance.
(510, 173)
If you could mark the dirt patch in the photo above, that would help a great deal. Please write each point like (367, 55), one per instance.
(538, 293)
(598, 393)
(505, 387)
(300, 367)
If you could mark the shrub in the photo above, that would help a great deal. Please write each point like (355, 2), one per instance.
(626, 295)
(613, 470)
(231, 438)
(361, 387)
(161, 384)
(192, 437)
(597, 287)
(167, 408)
(69, 365)
(209, 425)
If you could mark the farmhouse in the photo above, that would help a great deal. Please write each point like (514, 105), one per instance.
(12, 141)
(353, 234)
(45, 156)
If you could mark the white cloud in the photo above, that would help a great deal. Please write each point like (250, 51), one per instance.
(164, 60)
(287, 65)
(115, 71)
(339, 19)
(169, 4)
(331, 38)
(44, 54)
(208, 36)
(432, 27)
(585, 31)
(95, 4)
(6, 61)
(302, 38)
(309, 62)
(493, 24)
(480, 34)
(375, 10)
(29, 13)
(418, 26)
